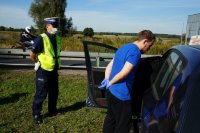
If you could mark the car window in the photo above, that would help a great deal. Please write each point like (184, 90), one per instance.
(169, 71)
(177, 71)
(160, 83)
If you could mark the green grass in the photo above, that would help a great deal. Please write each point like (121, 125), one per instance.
(17, 89)
(74, 43)
(8, 38)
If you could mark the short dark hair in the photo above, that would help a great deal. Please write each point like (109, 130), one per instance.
(146, 34)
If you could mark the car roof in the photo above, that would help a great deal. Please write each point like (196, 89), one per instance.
(190, 52)
(195, 46)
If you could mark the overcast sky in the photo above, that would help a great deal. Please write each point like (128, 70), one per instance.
(130, 16)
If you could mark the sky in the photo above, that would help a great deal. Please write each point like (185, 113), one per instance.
(125, 16)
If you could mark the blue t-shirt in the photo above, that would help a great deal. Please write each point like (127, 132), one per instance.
(131, 53)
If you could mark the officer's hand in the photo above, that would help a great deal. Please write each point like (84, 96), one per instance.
(104, 84)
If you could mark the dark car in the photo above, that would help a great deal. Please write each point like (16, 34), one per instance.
(166, 91)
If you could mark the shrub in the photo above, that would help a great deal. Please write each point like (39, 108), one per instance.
(88, 32)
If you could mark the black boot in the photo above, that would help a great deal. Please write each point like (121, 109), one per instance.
(38, 119)
(50, 114)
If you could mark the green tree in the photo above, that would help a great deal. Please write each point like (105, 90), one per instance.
(88, 32)
(41, 9)
(69, 26)
(2, 28)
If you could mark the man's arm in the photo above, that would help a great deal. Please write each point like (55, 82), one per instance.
(33, 56)
(171, 97)
(108, 69)
(122, 74)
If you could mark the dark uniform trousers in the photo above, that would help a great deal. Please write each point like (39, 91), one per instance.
(118, 118)
(46, 84)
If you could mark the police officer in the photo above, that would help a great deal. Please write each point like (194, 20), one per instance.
(46, 51)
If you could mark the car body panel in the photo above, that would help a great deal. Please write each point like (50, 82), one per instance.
(190, 118)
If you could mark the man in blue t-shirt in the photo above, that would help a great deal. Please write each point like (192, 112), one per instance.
(119, 78)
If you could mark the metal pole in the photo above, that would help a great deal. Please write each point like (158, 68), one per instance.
(24, 56)
(182, 34)
(97, 61)
(186, 35)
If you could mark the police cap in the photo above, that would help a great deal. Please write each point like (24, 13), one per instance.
(53, 21)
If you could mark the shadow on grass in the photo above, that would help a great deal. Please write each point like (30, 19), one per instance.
(73, 107)
(11, 99)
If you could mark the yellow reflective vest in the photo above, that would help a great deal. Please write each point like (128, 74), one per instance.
(47, 58)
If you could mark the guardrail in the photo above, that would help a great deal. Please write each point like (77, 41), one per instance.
(95, 56)
(64, 54)
(24, 53)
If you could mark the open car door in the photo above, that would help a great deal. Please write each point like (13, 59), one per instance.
(97, 57)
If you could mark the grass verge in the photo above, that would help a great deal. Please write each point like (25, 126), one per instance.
(17, 89)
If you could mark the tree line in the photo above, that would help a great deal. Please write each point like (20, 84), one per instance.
(88, 31)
